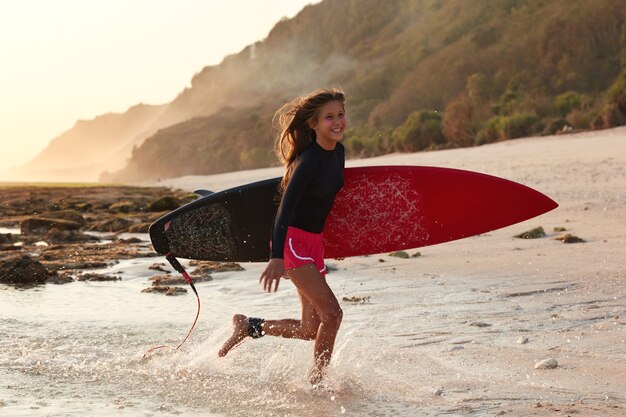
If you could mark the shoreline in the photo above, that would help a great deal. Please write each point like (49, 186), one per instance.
(470, 158)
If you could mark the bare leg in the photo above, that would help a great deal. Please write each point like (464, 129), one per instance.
(313, 286)
(321, 318)
(305, 329)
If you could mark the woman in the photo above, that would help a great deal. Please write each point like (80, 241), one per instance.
(308, 144)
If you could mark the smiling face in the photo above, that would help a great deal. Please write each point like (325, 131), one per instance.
(330, 124)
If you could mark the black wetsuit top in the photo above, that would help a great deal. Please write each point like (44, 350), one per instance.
(316, 179)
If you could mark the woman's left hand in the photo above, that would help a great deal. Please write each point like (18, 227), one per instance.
(272, 274)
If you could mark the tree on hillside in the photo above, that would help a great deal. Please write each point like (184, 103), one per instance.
(421, 130)
(458, 125)
(615, 113)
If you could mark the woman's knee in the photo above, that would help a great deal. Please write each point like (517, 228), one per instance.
(333, 315)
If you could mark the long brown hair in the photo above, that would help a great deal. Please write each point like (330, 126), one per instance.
(293, 122)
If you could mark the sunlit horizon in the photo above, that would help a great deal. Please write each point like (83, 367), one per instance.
(68, 60)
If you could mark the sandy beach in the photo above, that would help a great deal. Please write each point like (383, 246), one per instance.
(460, 330)
(471, 319)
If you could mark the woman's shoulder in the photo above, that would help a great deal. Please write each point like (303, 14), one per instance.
(308, 159)
(307, 153)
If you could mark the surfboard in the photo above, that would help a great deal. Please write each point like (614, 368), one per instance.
(380, 209)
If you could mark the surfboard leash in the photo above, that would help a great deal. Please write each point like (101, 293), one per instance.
(178, 267)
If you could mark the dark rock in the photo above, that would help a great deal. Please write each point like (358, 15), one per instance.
(140, 228)
(570, 239)
(131, 240)
(97, 277)
(400, 254)
(115, 224)
(535, 233)
(60, 279)
(71, 215)
(42, 225)
(207, 267)
(67, 236)
(125, 207)
(164, 280)
(165, 290)
(167, 203)
(159, 267)
(81, 206)
(549, 363)
(357, 300)
(480, 324)
(560, 229)
(24, 271)
(64, 265)
(8, 238)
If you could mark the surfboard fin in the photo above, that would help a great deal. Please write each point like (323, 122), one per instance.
(203, 193)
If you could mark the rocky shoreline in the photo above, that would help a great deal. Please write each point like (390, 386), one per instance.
(68, 231)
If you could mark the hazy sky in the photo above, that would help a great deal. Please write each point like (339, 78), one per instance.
(65, 60)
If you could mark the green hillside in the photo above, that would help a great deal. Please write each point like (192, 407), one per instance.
(418, 74)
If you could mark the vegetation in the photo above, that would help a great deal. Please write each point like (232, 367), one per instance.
(418, 74)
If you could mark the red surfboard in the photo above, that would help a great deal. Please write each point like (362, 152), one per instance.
(383, 209)
(380, 209)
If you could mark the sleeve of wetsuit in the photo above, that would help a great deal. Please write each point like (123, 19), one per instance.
(303, 173)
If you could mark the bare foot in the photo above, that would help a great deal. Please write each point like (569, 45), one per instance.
(240, 332)
(316, 374)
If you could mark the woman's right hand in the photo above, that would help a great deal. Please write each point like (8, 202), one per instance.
(272, 274)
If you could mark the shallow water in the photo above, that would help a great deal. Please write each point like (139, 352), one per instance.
(411, 350)
(77, 349)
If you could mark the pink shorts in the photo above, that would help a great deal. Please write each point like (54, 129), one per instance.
(302, 247)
